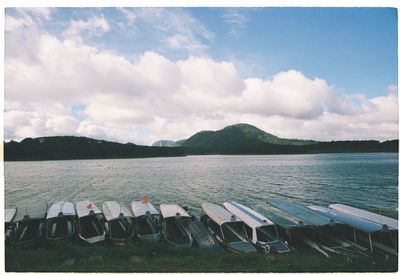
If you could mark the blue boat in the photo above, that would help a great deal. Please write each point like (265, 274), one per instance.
(378, 236)
(305, 228)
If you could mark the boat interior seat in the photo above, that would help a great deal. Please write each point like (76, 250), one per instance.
(53, 229)
(265, 235)
(145, 226)
(96, 227)
(69, 227)
(233, 232)
(122, 224)
(175, 232)
(23, 232)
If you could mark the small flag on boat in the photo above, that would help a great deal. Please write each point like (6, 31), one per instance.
(89, 205)
(145, 199)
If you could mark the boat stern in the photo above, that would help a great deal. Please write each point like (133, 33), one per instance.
(276, 246)
(150, 237)
(241, 247)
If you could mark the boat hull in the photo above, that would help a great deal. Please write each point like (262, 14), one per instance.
(147, 228)
(91, 229)
(276, 246)
(120, 231)
(60, 229)
(240, 247)
(202, 237)
(28, 233)
(237, 247)
(175, 231)
(8, 232)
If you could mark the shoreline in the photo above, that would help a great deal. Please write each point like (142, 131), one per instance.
(191, 155)
(162, 257)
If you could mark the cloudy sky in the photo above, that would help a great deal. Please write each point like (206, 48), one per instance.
(144, 74)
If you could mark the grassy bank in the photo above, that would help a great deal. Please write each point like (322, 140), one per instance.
(161, 257)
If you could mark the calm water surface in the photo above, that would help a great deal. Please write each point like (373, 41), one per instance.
(368, 181)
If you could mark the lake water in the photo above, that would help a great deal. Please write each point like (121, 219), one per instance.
(368, 181)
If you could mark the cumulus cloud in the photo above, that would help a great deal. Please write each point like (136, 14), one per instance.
(152, 97)
(289, 94)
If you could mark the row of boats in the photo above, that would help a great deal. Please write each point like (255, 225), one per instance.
(282, 227)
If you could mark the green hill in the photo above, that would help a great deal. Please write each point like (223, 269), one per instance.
(239, 135)
(238, 139)
(247, 139)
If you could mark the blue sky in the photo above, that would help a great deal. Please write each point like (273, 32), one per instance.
(353, 48)
(347, 56)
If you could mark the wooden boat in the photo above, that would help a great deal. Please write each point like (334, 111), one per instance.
(175, 225)
(261, 231)
(9, 216)
(380, 238)
(392, 224)
(60, 221)
(228, 230)
(119, 222)
(202, 237)
(91, 227)
(29, 226)
(147, 221)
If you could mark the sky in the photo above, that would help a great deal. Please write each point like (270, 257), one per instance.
(144, 74)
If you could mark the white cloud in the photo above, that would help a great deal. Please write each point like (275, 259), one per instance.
(94, 26)
(26, 17)
(12, 23)
(236, 18)
(38, 13)
(131, 16)
(152, 97)
(289, 94)
(174, 27)
(62, 125)
(392, 89)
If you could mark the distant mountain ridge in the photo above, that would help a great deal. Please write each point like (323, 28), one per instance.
(168, 143)
(71, 147)
(238, 139)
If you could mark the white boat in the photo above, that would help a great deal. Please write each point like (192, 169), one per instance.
(119, 222)
(175, 222)
(229, 230)
(261, 231)
(366, 215)
(147, 221)
(91, 227)
(9, 215)
(60, 221)
(29, 225)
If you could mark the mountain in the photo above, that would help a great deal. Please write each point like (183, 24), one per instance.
(164, 143)
(239, 135)
(238, 139)
(70, 147)
(168, 143)
(248, 139)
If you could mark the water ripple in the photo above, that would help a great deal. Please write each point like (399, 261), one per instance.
(364, 180)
